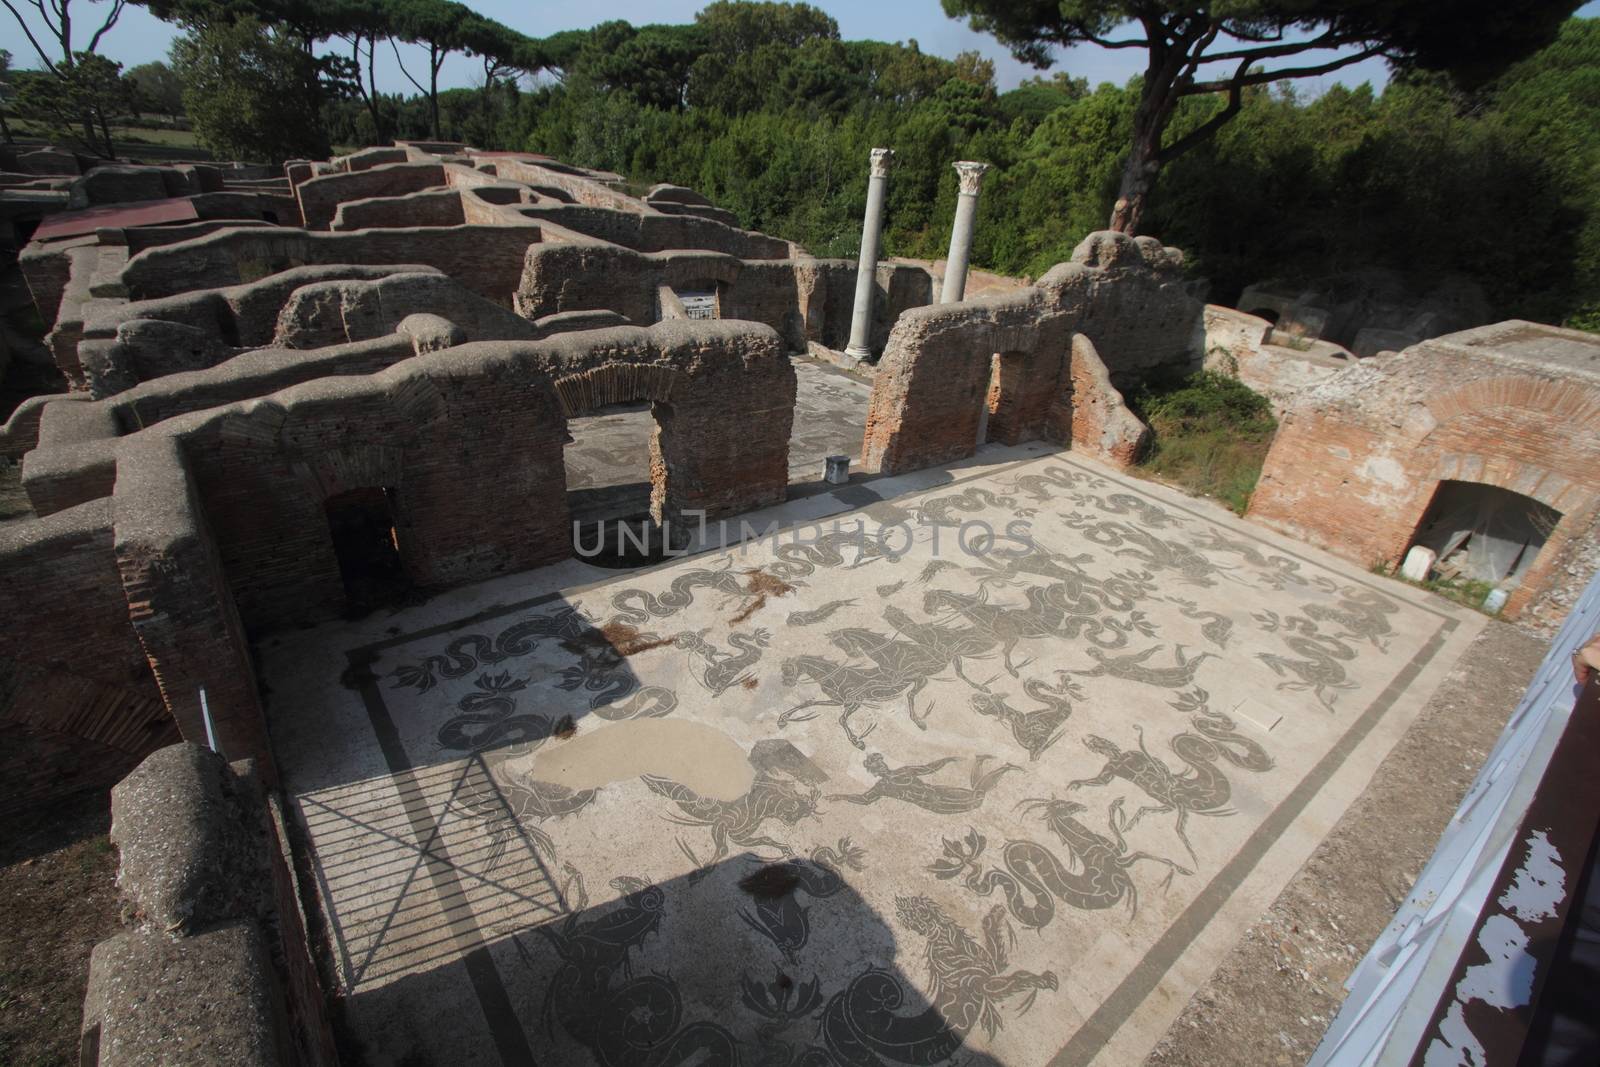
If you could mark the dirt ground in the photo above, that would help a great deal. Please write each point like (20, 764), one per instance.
(1275, 994)
(58, 899)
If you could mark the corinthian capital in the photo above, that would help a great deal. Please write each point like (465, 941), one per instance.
(970, 175)
(881, 158)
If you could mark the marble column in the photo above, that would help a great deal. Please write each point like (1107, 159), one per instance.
(867, 267)
(955, 266)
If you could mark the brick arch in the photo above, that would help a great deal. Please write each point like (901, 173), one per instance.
(353, 466)
(1528, 479)
(1554, 399)
(615, 383)
(1576, 505)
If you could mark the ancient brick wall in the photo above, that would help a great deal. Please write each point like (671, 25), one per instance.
(63, 733)
(336, 312)
(659, 232)
(803, 299)
(116, 184)
(828, 295)
(1129, 297)
(582, 190)
(933, 389)
(178, 600)
(138, 238)
(431, 207)
(767, 292)
(487, 259)
(61, 595)
(78, 703)
(582, 277)
(75, 457)
(1358, 459)
(75, 462)
(321, 196)
(212, 905)
(1236, 345)
(368, 158)
(469, 443)
(147, 339)
(46, 267)
(1092, 416)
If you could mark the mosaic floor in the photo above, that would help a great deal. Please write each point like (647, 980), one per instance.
(917, 798)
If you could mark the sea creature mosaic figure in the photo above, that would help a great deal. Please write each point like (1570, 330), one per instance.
(1202, 789)
(719, 670)
(781, 919)
(739, 822)
(906, 784)
(1096, 875)
(623, 1019)
(1132, 668)
(1320, 667)
(1035, 729)
(901, 666)
(967, 980)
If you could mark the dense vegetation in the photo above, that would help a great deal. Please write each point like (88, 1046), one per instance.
(1501, 185)
(1195, 48)
(766, 110)
(1209, 434)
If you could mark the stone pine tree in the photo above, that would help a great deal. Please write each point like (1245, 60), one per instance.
(1195, 48)
(84, 90)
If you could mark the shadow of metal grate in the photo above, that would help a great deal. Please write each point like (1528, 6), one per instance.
(421, 868)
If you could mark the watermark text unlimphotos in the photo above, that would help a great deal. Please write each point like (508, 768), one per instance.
(693, 533)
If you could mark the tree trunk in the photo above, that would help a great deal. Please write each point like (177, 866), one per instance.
(1144, 157)
(5, 129)
(369, 91)
(105, 129)
(372, 90)
(435, 60)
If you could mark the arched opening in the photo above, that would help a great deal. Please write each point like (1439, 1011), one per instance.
(1483, 533)
(361, 524)
(613, 465)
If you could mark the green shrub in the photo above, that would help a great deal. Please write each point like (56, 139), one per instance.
(1209, 435)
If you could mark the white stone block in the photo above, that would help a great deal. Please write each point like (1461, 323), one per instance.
(1419, 563)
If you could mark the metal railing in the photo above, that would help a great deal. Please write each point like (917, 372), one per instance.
(1396, 989)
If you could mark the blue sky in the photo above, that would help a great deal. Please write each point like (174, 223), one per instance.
(139, 38)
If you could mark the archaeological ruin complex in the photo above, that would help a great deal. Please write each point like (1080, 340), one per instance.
(406, 383)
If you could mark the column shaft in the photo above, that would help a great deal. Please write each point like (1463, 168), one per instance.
(970, 176)
(867, 266)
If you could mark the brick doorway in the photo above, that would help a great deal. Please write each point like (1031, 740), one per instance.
(1011, 400)
(1484, 533)
(614, 476)
(361, 523)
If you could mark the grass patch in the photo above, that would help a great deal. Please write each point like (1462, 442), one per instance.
(1469, 592)
(1210, 435)
(170, 136)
